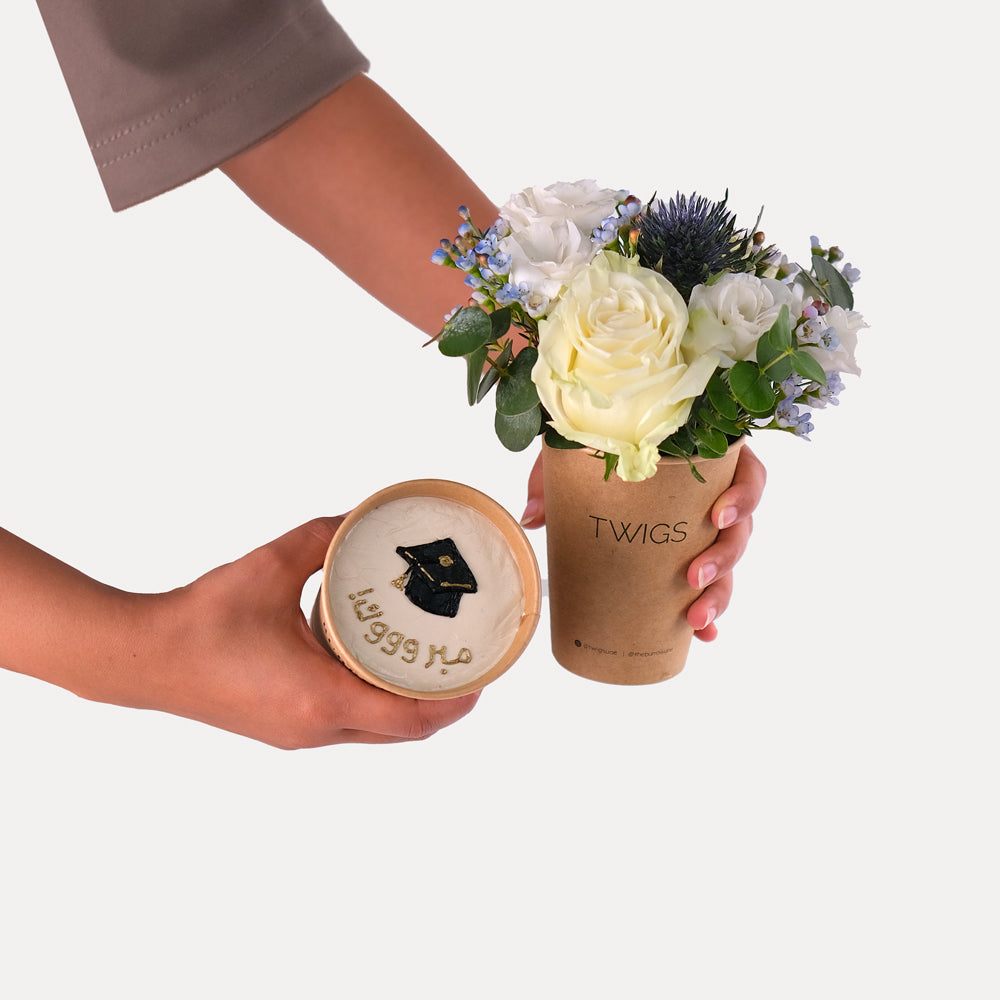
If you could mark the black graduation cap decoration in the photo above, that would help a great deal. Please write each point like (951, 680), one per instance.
(437, 576)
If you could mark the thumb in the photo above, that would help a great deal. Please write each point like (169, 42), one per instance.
(534, 511)
(297, 554)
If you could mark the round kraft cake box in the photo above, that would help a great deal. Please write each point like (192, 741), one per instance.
(430, 589)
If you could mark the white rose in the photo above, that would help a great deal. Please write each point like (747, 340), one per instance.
(728, 318)
(550, 232)
(846, 323)
(610, 369)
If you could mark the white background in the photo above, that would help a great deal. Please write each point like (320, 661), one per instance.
(807, 811)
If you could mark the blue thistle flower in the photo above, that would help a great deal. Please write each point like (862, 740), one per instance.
(689, 239)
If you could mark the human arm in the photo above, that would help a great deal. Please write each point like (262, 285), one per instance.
(232, 649)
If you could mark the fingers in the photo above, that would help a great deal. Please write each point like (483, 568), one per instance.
(358, 712)
(398, 718)
(721, 556)
(741, 499)
(534, 511)
(709, 605)
(711, 571)
(288, 561)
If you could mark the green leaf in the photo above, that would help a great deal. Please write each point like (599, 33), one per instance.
(610, 464)
(490, 378)
(500, 322)
(680, 449)
(516, 393)
(679, 444)
(555, 440)
(492, 374)
(835, 287)
(467, 331)
(518, 431)
(779, 370)
(774, 346)
(711, 443)
(474, 372)
(707, 416)
(721, 397)
(808, 367)
(780, 334)
(752, 388)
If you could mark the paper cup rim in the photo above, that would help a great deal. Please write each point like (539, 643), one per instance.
(663, 459)
(513, 534)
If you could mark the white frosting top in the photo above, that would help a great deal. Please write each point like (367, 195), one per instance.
(399, 641)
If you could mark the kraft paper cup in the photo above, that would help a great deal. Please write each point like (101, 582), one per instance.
(618, 555)
(430, 589)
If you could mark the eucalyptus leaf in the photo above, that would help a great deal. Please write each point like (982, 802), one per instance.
(517, 432)
(474, 372)
(721, 397)
(467, 331)
(505, 355)
(713, 419)
(500, 322)
(492, 374)
(490, 378)
(808, 367)
(555, 440)
(834, 284)
(680, 443)
(779, 370)
(516, 393)
(711, 443)
(670, 446)
(752, 388)
(780, 334)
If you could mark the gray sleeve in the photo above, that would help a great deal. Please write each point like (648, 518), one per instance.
(166, 91)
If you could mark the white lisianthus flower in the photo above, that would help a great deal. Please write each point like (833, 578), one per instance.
(611, 369)
(728, 317)
(550, 229)
(845, 323)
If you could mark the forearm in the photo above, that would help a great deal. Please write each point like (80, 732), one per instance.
(358, 179)
(61, 626)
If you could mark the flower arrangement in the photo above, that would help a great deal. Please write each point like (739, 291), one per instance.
(641, 330)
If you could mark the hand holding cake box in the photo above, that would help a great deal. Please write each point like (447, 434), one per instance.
(430, 589)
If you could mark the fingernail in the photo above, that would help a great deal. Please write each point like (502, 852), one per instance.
(706, 575)
(709, 618)
(727, 516)
(531, 512)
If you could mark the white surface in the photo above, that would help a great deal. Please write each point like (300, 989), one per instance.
(807, 812)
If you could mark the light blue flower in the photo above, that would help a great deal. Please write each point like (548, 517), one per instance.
(811, 331)
(499, 263)
(828, 393)
(790, 387)
(606, 232)
(467, 261)
(488, 244)
(439, 256)
(474, 279)
(509, 294)
(465, 229)
(829, 339)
